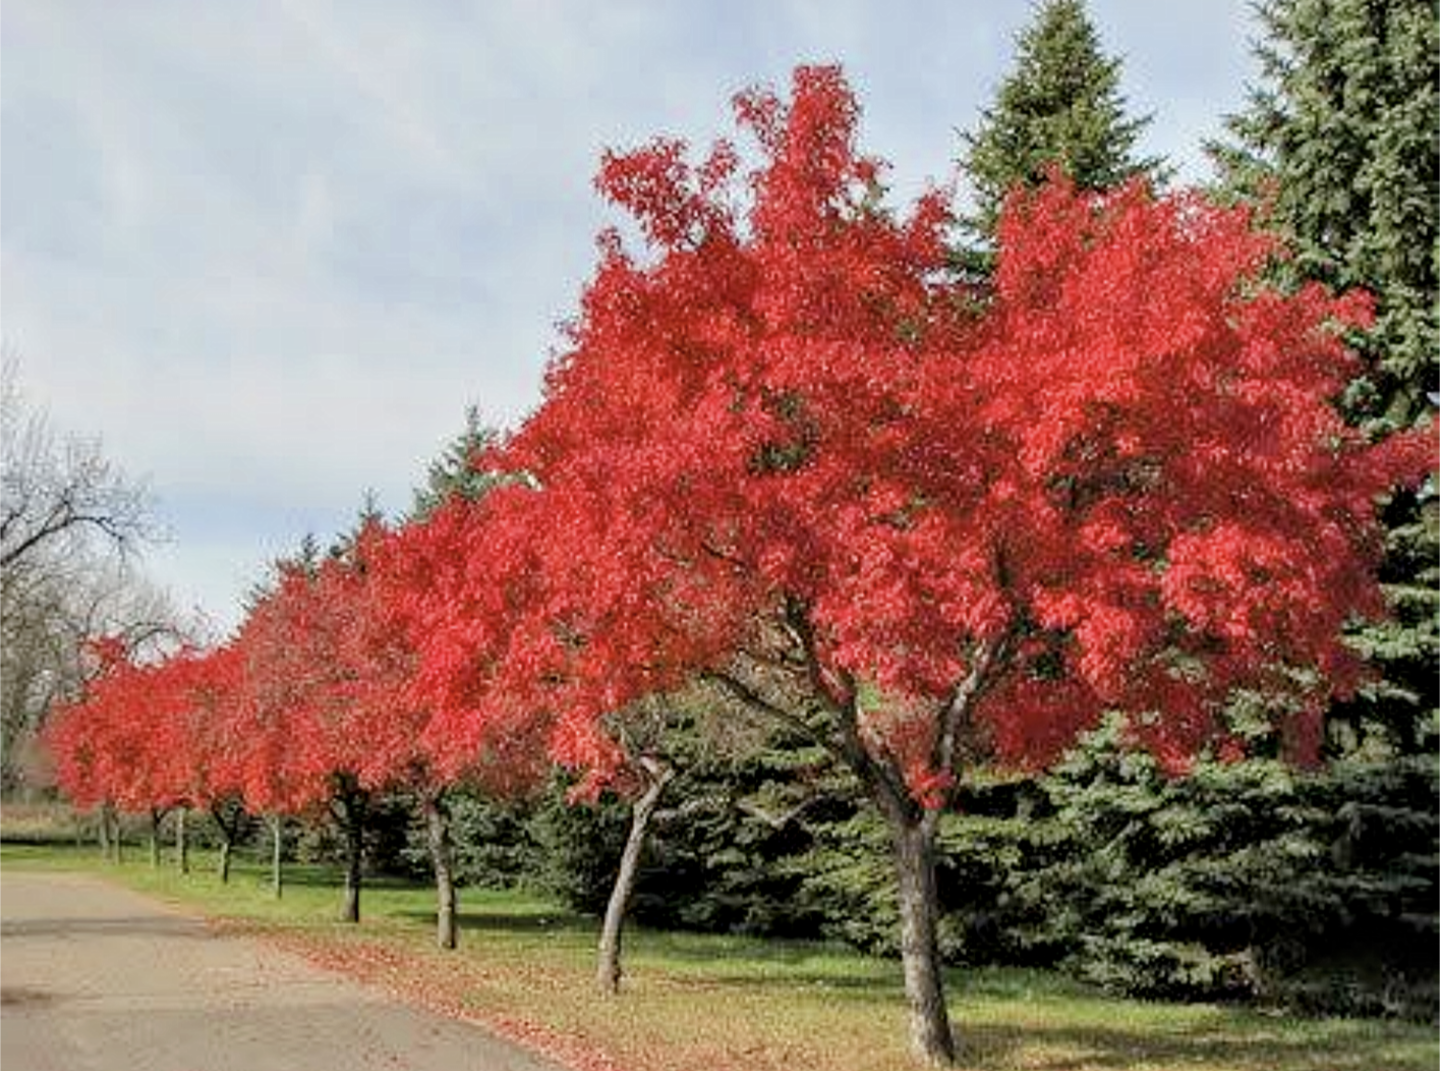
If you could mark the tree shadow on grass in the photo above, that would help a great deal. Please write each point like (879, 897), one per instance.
(1237, 1045)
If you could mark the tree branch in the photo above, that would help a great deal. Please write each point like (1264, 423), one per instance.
(758, 703)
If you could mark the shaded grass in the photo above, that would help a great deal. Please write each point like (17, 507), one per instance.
(704, 1001)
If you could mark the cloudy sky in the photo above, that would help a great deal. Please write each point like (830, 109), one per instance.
(270, 250)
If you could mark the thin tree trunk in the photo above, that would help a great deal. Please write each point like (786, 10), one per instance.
(106, 851)
(608, 971)
(156, 817)
(350, 810)
(229, 817)
(117, 835)
(931, 1038)
(437, 835)
(277, 853)
(350, 909)
(182, 841)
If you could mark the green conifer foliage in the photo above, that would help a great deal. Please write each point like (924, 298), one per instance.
(1249, 880)
(455, 471)
(1340, 135)
(1062, 106)
(1339, 141)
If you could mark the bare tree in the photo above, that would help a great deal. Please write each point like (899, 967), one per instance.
(71, 527)
(50, 605)
(53, 490)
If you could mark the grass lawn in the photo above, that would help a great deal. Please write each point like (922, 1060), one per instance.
(525, 967)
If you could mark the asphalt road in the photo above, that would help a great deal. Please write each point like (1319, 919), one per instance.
(94, 977)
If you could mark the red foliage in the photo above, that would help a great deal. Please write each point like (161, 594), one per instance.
(137, 738)
(788, 439)
(326, 677)
(786, 444)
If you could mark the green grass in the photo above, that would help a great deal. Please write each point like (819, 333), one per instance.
(718, 1002)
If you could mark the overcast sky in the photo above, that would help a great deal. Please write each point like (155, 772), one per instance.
(269, 250)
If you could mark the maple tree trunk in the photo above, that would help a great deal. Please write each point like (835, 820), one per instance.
(931, 1038)
(350, 908)
(437, 835)
(111, 818)
(229, 825)
(607, 971)
(277, 850)
(182, 842)
(351, 812)
(156, 816)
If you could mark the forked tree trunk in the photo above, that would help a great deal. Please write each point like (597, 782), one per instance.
(182, 841)
(277, 855)
(229, 818)
(931, 1037)
(608, 971)
(437, 835)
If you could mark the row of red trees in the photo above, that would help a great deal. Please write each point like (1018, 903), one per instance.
(924, 520)
(309, 707)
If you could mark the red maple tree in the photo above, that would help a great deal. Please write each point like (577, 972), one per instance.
(213, 687)
(787, 453)
(128, 742)
(413, 646)
(310, 744)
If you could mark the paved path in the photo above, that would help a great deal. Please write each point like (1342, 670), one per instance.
(97, 978)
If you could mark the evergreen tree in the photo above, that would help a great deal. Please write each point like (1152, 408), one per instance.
(1338, 140)
(1244, 880)
(454, 471)
(1062, 107)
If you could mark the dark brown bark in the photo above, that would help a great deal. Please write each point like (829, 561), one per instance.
(608, 971)
(437, 835)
